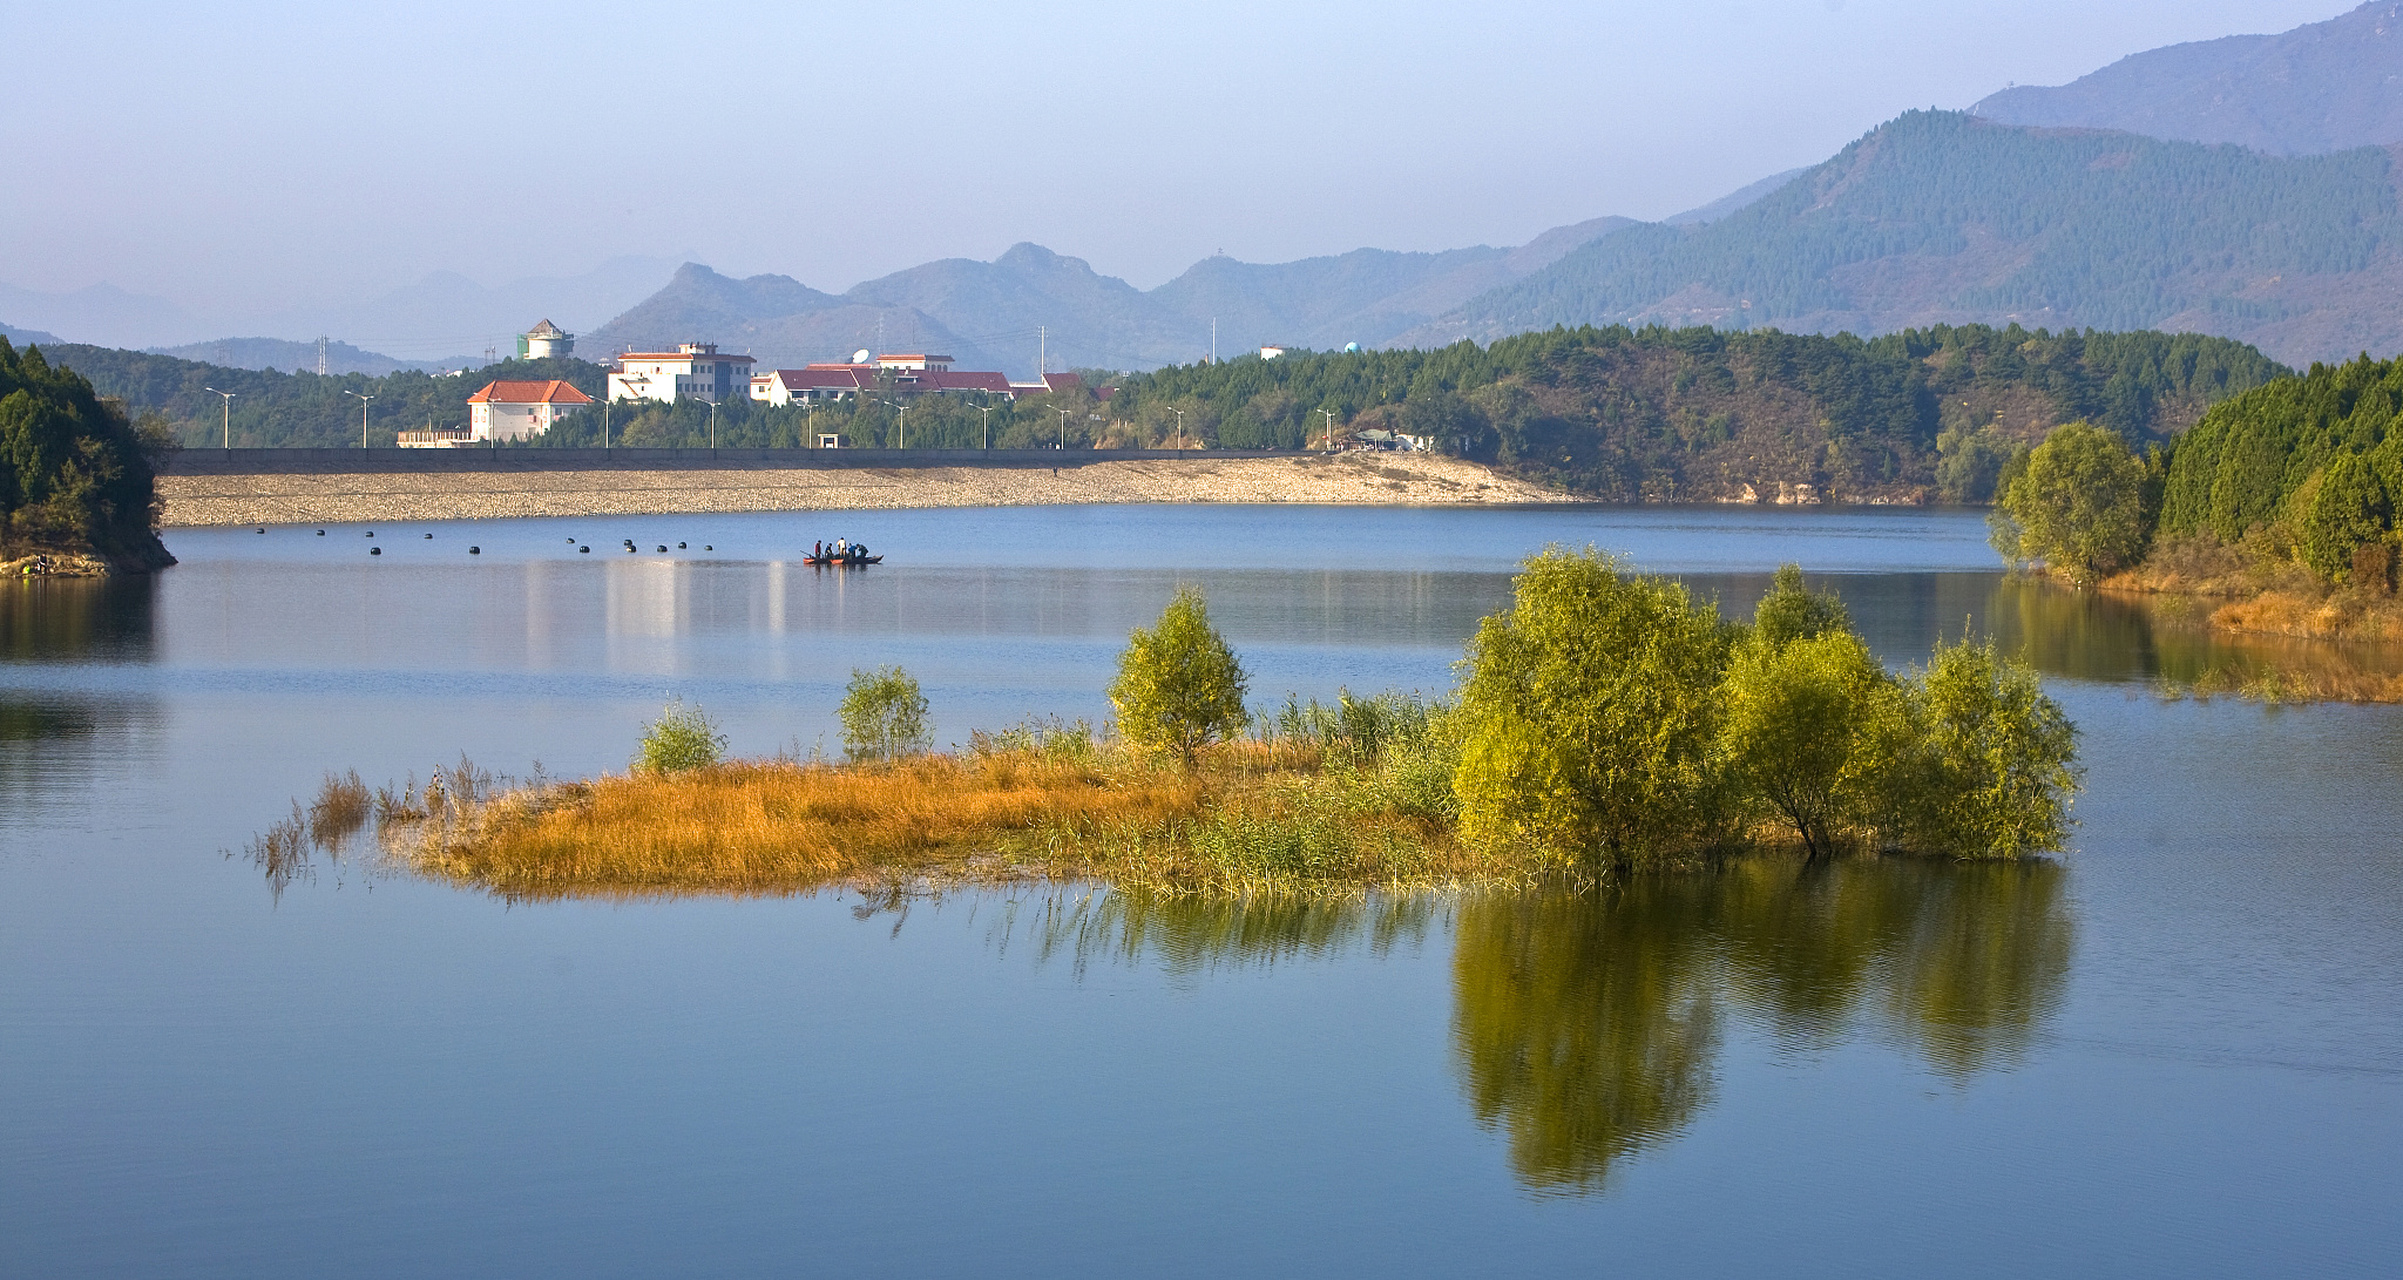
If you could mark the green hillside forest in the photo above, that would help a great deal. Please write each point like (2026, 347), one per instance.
(1700, 414)
(75, 473)
(2315, 459)
(1616, 414)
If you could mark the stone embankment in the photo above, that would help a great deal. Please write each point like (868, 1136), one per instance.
(1369, 479)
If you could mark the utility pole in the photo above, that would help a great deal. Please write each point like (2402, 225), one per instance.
(1330, 416)
(362, 416)
(1042, 352)
(229, 413)
(1214, 339)
(605, 426)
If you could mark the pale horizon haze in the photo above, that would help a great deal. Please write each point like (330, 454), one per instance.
(253, 161)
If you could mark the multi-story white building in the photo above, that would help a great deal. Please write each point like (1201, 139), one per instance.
(694, 370)
(515, 410)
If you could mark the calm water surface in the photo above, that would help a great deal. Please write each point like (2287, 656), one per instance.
(2177, 1050)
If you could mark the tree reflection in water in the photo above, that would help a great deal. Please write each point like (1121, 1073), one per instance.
(1586, 1025)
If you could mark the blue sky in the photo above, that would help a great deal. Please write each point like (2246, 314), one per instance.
(244, 159)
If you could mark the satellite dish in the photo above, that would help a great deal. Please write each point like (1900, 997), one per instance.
(860, 356)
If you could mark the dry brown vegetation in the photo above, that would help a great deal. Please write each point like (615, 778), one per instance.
(2253, 588)
(1251, 816)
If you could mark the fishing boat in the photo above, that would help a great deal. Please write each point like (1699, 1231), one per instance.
(842, 562)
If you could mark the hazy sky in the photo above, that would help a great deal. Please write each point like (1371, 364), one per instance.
(242, 159)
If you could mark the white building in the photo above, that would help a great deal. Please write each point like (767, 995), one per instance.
(544, 341)
(694, 370)
(515, 410)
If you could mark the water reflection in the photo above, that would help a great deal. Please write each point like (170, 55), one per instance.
(1190, 937)
(1586, 1026)
(2087, 635)
(78, 620)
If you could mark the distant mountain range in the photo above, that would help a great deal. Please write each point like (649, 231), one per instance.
(2318, 88)
(1004, 313)
(299, 357)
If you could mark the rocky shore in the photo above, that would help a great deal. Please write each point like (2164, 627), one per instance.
(1369, 479)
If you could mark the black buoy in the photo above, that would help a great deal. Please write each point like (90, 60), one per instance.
(475, 551)
(429, 537)
(663, 546)
(262, 531)
(584, 551)
(375, 551)
(371, 533)
(706, 547)
(679, 546)
(571, 542)
(321, 533)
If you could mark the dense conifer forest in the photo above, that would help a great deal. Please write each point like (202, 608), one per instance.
(75, 474)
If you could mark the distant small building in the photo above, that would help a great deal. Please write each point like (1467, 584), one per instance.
(439, 438)
(1271, 352)
(516, 410)
(694, 371)
(904, 374)
(545, 341)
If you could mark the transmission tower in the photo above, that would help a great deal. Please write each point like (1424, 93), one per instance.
(321, 357)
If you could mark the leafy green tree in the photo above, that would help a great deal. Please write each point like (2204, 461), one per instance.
(1816, 729)
(75, 474)
(1793, 612)
(682, 738)
(1179, 687)
(884, 715)
(1996, 763)
(1589, 712)
(2077, 505)
(2351, 510)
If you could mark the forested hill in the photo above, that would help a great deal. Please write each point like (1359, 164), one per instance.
(2312, 458)
(75, 474)
(1938, 217)
(285, 410)
(1699, 415)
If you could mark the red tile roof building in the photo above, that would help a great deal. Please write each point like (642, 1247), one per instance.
(515, 410)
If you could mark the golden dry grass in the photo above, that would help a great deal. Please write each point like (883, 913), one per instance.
(1253, 817)
(769, 826)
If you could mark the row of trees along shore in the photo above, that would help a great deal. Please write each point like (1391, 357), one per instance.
(1607, 723)
(76, 474)
(2292, 484)
(1611, 413)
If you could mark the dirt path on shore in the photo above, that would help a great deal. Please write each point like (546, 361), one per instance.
(1355, 478)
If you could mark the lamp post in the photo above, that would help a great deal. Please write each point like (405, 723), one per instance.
(904, 420)
(1330, 416)
(1180, 428)
(362, 416)
(229, 412)
(1063, 430)
(713, 426)
(987, 410)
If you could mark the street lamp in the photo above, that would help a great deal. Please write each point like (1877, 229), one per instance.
(713, 426)
(987, 410)
(229, 412)
(1330, 416)
(904, 420)
(362, 416)
(1180, 428)
(1063, 430)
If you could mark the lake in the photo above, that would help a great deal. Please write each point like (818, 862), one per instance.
(2177, 1049)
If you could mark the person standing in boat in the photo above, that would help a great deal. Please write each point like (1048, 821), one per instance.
(818, 552)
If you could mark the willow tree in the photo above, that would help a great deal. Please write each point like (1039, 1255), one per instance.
(2076, 504)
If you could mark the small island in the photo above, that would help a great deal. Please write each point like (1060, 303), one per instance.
(1607, 723)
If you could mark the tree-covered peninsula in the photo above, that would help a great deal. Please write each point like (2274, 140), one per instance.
(78, 490)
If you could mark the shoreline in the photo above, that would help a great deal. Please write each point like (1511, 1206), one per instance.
(1353, 479)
